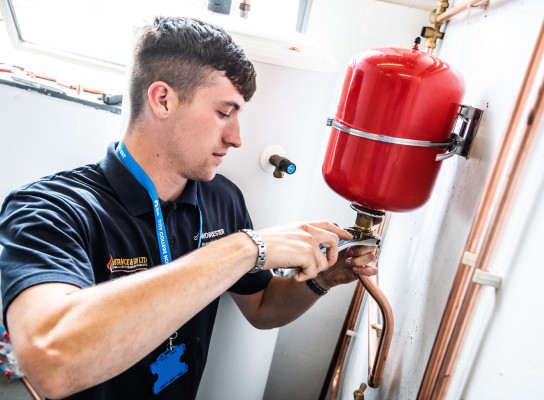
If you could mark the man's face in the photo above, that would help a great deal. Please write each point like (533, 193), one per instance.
(205, 127)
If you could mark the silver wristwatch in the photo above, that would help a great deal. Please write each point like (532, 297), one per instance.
(261, 257)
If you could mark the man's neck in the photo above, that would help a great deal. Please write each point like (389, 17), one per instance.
(168, 184)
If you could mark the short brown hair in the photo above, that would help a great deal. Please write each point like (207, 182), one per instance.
(181, 52)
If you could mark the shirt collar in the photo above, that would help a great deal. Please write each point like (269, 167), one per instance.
(129, 191)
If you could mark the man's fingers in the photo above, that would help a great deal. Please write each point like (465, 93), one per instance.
(368, 270)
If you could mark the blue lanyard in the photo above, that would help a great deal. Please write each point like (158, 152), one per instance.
(145, 181)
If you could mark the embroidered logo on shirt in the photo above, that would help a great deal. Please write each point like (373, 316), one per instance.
(127, 264)
(211, 234)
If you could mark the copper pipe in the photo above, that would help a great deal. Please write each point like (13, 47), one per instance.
(374, 333)
(340, 352)
(488, 247)
(379, 341)
(377, 353)
(432, 34)
(464, 293)
(459, 7)
(244, 7)
(30, 389)
(377, 366)
(336, 367)
(443, 14)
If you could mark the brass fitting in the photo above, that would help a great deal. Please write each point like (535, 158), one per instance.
(282, 165)
(359, 394)
(432, 33)
(364, 222)
(244, 7)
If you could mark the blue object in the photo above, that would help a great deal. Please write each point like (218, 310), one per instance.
(291, 169)
(140, 175)
(168, 367)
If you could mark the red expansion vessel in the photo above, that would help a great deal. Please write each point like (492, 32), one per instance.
(396, 113)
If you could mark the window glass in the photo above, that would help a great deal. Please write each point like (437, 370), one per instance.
(102, 29)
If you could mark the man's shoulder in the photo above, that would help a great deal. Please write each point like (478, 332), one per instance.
(74, 184)
(84, 174)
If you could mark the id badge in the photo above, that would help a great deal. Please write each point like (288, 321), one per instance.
(168, 367)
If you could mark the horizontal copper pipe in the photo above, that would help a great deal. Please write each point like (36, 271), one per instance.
(490, 215)
(459, 7)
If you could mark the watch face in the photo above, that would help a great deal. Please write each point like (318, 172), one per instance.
(286, 272)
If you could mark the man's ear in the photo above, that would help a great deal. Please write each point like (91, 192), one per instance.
(162, 99)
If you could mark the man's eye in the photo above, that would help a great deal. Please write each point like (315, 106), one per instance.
(222, 115)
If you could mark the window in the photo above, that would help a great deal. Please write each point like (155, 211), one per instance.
(101, 30)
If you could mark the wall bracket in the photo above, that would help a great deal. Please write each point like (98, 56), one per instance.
(466, 126)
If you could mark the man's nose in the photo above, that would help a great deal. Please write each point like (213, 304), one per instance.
(232, 135)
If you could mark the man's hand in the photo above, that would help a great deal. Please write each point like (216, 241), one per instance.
(352, 261)
(298, 246)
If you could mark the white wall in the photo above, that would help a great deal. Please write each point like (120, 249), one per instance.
(288, 110)
(304, 348)
(40, 135)
(422, 249)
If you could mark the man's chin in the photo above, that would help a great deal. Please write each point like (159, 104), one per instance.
(205, 177)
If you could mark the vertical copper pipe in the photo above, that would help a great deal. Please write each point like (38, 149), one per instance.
(469, 304)
(377, 366)
(373, 333)
(379, 342)
(336, 366)
(463, 294)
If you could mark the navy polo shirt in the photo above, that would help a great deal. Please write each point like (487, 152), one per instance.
(94, 224)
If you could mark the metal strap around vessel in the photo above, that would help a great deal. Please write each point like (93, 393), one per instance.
(387, 139)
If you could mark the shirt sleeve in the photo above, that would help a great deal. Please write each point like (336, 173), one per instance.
(41, 244)
(252, 283)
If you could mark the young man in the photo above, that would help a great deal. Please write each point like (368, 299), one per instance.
(92, 311)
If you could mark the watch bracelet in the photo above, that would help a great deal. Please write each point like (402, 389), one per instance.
(261, 247)
(314, 286)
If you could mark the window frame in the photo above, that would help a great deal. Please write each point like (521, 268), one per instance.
(19, 43)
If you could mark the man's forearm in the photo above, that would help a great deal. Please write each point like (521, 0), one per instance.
(283, 301)
(81, 337)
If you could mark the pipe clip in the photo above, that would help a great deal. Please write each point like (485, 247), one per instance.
(469, 258)
(378, 328)
(487, 278)
(481, 277)
(466, 126)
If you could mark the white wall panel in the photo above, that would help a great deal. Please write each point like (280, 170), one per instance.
(422, 249)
